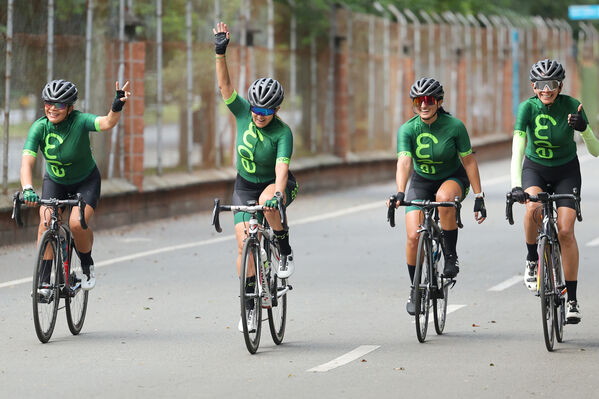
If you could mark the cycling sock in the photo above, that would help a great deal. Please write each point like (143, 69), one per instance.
(283, 239)
(571, 287)
(86, 258)
(450, 238)
(46, 270)
(532, 252)
(412, 271)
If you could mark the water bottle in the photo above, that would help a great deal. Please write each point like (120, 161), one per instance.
(264, 258)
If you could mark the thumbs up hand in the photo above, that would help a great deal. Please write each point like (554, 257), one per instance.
(576, 121)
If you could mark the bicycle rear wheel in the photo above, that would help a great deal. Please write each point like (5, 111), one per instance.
(560, 305)
(440, 297)
(45, 289)
(250, 301)
(277, 314)
(422, 280)
(547, 292)
(76, 298)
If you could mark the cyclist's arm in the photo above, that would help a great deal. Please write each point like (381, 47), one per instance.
(471, 167)
(109, 121)
(281, 174)
(27, 164)
(223, 78)
(404, 170)
(590, 141)
(518, 145)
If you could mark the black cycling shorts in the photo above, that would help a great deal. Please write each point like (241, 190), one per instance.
(88, 187)
(426, 189)
(554, 179)
(245, 191)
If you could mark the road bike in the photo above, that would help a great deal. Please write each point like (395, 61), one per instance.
(269, 292)
(551, 287)
(63, 280)
(430, 283)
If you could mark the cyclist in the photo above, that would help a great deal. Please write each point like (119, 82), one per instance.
(436, 146)
(62, 136)
(264, 146)
(544, 132)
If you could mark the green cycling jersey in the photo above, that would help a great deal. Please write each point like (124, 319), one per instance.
(550, 140)
(436, 148)
(259, 149)
(65, 146)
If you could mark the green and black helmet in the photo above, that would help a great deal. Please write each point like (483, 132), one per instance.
(547, 70)
(427, 87)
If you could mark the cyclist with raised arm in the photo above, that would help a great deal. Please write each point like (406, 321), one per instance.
(544, 156)
(436, 146)
(62, 136)
(264, 146)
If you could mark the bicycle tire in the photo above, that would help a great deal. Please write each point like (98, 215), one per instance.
(76, 298)
(547, 292)
(422, 294)
(560, 306)
(45, 309)
(277, 314)
(440, 298)
(250, 300)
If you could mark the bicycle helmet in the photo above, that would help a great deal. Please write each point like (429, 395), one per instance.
(265, 93)
(427, 87)
(60, 91)
(547, 70)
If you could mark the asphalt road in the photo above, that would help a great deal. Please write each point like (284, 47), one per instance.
(162, 320)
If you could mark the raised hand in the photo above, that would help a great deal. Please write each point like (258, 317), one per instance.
(221, 38)
(576, 121)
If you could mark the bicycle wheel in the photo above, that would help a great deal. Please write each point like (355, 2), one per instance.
(45, 294)
(277, 314)
(560, 302)
(441, 295)
(547, 292)
(250, 301)
(76, 298)
(422, 279)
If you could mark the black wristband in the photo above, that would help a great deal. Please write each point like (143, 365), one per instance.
(117, 104)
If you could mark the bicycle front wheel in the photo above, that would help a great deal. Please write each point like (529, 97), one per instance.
(547, 292)
(251, 309)
(45, 289)
(440, 297)
(277, 314)
(76, 298)
(422, 280)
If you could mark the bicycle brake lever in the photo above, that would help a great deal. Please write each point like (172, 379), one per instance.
(391, 210)
(16, 208)
(81, 204)
(215, 215)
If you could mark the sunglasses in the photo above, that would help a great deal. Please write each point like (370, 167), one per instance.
(55, 105)
(546, 85)
(262, 111)
(428, 100)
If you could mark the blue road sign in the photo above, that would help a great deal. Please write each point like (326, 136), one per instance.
(584, 12)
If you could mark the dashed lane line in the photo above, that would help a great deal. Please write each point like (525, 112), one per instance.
(506, 284)
(344, 359)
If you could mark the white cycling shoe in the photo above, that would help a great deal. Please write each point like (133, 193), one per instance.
(286, 266)
(530, 275)
(88, 283)
(251, 322)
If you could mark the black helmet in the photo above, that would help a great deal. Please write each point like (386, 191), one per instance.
(60, 91)
(265, 93)
(427, 87)
(547, 70)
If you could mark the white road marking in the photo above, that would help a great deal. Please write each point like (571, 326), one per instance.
(136, 239)
(506, 284)
(593, 243)
(450, 309)
(344, 359)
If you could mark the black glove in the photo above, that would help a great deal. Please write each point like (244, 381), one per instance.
(518, 194)
(577, 122)
(117, 104)
(220, 43)
(400, 197)
(479, 206)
